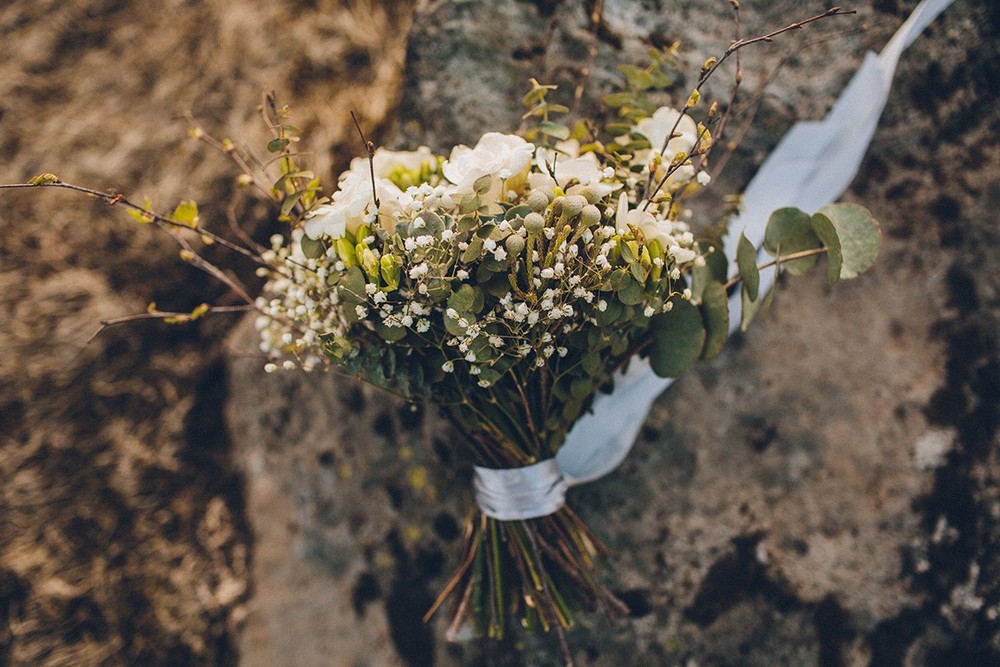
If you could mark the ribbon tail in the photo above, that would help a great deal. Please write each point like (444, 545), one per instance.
(811, 167)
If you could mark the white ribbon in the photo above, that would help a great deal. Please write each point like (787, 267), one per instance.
(812, 165)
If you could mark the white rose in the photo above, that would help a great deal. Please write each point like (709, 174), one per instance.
(503, 156)
(387, 162)
(354, 199)
(564, 165)
(651, 227)
(657, 127)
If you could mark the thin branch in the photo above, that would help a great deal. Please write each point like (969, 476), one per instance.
(114, 198)
(370, 148)
(162, 315)
(783, 259)
(228, 148)
(707, 72)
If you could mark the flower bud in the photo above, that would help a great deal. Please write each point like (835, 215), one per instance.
(514, 244)
(590, 216)
(537, 200)
(572, 205)
(534, 222)
(591, 194)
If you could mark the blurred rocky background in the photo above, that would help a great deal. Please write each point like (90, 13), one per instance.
(825, 492)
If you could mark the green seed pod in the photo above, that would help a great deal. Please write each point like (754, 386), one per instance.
(590, 216)
(591, 194)
(572, 205)
(514, 244)
(538, 200)
(534, 222)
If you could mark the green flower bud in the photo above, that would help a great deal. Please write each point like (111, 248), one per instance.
(534, 222)
(390, 268)
(345, 250)
(515, 244)
(590, 216)
(537, 200)
(572, 205)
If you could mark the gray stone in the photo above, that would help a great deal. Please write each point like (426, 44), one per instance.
(782, 505)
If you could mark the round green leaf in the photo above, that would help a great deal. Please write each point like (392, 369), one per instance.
(789, 230)
(714, 269)
(312, 248)
(859, 234)
(678, 338)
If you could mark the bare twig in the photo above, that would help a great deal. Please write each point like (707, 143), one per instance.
(229, 149)
(162, 315)
(370, 148)
(707, 72)
(783, 259)
(114, 198)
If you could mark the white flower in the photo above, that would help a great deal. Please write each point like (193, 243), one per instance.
(651, 227)
(682, 255)
(354, 199)
(658, 126)
(499, 155)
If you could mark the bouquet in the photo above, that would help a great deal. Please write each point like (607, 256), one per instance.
(507, 284)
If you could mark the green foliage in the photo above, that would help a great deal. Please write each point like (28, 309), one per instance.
(746, 260)
(634, 103)
(859, 235)
(789, 231)
(677, 337)
(715, 314)
(186, 213)
(846, 233)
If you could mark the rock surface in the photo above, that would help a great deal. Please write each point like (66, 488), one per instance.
(122, 531)
(824, 492)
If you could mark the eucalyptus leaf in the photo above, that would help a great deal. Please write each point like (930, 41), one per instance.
(827, 233)
(312, 248)
(678, 337)
(482, 184)
(715, 312)
(557, 130)
(490, 375)
(469, 204)
(714, 269)
(612, 313)
(860, 237)
(462, 299)
(592, 362)
(789, 230)
(749, 310)
(630, 293)
(474, 250)
(352, 287)
(746, 260)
